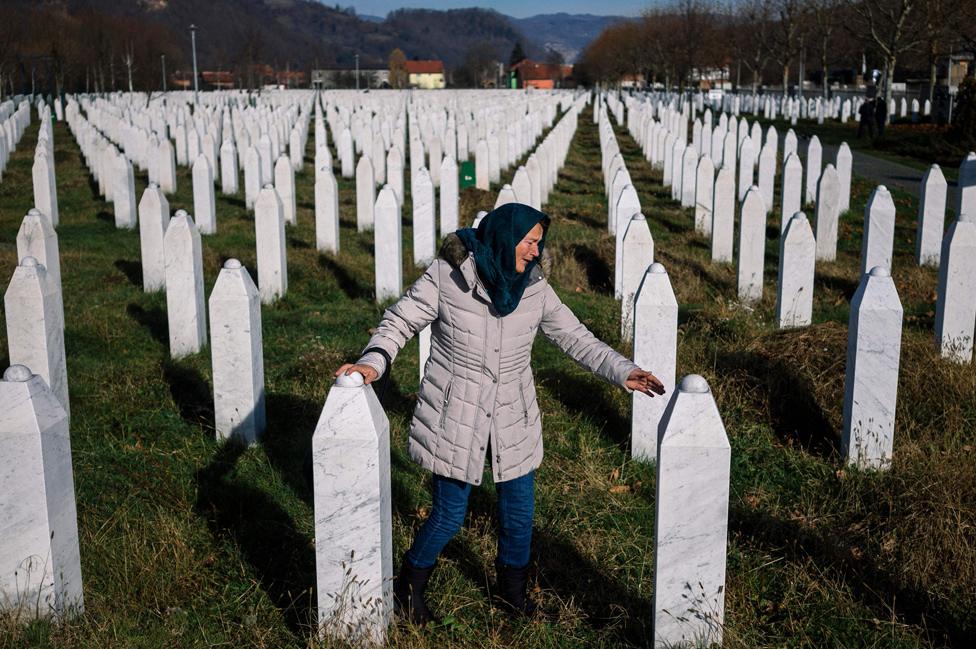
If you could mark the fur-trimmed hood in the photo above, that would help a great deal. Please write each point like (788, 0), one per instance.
(454, 252)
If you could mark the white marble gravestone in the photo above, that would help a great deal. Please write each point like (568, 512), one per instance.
(871, 381)
(482, 173)
(449, 196)
(747, 159)
(752, 247)
(691, 521)
(45, 188)
(365, 194)
(828, 197)
(284, 182)
(166, 167)
(792, 190)
(252, 177)
(844, 163)
(326, 212)
(637, 254)
(185, 306)
(767, 173)
(966, 188)
(655, 337)
(269, 236)
(522, 186)
(704, 195)
(346, 154)
(153, 221)
(689, 171)
(35, 328)
(931, 217)
(794, 294)
(627, 206)
(879, 231)
(424, 219)
(124, 195)
(237, 355)
(353, 514)
(505, 195)
(204, 205)
(40, 564)
(388, 246)
(955, 308)
(814, 163)
(36, 238)
(723, 215)
(228, 168)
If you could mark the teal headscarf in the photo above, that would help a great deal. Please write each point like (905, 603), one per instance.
(493, 245)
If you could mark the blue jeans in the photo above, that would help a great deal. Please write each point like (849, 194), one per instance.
(516, 506)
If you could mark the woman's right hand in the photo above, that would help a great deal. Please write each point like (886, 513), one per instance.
(369, 374)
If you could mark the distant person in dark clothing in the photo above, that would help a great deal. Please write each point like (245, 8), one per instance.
(880, 115)
(866, 116)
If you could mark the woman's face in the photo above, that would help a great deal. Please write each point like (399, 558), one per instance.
(528, 248)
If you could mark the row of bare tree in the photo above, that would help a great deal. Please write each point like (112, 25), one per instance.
(758, 42)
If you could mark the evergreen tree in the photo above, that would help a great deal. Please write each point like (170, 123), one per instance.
(518, 54)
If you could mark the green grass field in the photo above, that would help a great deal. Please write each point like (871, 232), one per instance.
(186, 542)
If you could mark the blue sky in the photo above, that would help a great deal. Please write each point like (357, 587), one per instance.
(517, 8)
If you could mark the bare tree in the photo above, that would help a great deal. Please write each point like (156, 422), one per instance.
(128, 57)
(788, 36)
(892, 29)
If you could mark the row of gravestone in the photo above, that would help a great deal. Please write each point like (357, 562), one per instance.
(693, 457)
(13, 123)
(874, 328)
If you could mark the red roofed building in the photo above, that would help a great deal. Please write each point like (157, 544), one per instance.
(543, 76)
(427, 75)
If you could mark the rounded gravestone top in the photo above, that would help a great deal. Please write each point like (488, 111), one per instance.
(153, 185)
(880, 271)
(268, 186)
(657, 269)
(694, 383)
(33, 212)
(506, 186)
(181, 214)
(232, 264)
(935, 167)
(18, 373)
(30, 262)
(882, 188)
(353, 380)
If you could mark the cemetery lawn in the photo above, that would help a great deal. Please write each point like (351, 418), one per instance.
(186, 542)
(914, 145)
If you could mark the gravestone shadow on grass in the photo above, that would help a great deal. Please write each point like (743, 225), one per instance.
(876, 587)
(235, 202)
(794, 413)
(132, 271)
(584, 395)
(598, 273)
(348, 284)
(607, 604)
(266, 535)
(192, 393)
(153, 319)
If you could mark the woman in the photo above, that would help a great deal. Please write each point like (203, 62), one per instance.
(484, 297)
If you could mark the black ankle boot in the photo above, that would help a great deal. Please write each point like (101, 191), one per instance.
(408, 593)
(511, 590)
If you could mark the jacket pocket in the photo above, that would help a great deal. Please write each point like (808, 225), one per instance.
(447, 400)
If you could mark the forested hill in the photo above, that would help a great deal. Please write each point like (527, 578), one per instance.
(305, 33)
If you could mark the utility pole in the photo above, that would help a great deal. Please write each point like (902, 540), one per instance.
(163, 59)
(193, 41)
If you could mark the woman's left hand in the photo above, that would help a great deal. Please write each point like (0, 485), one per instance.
(645, 382)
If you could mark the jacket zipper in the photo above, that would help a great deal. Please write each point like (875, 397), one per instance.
(525, 406)
(447, 398)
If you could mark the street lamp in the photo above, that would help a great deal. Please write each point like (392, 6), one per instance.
(193, 41)
(163, 58)
(357, 72)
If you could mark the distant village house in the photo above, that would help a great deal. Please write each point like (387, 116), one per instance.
(541, 76)
(426, 75)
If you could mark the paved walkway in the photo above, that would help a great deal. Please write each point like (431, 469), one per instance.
(879, 170)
